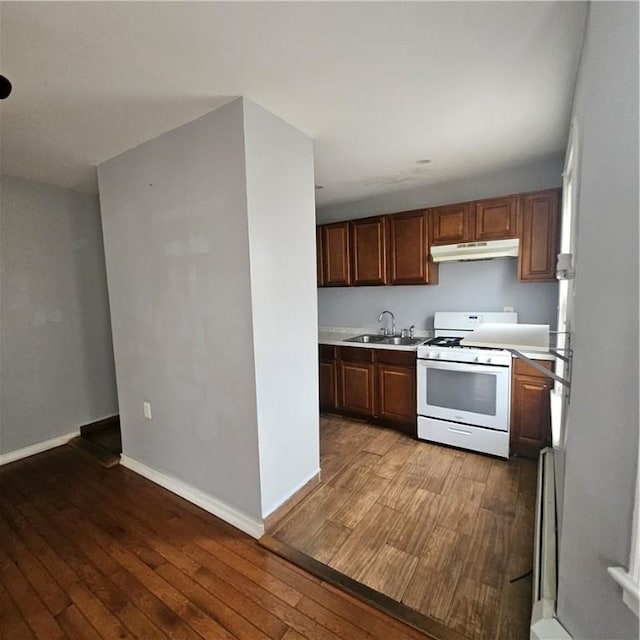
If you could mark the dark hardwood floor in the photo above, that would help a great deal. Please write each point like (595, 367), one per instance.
(445, 532)
(87, 552)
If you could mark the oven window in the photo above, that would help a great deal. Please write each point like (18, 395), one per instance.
(462, 391)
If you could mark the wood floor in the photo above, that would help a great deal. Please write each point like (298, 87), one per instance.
(90, 553)
(440, 530)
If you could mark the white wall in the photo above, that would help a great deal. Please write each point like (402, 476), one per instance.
(602, 445)
(57, 370)
(280, 196)
(475, 286)
(175, 230)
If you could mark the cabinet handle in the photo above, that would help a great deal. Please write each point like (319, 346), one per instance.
(462, 432)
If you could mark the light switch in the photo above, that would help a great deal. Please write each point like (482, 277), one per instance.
(146, 410)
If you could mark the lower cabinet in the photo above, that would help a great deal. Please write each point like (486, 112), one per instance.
(328, 375)
(356, 388)
(377, 384)
(530, 409)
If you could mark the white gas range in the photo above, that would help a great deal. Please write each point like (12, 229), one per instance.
(464, 394)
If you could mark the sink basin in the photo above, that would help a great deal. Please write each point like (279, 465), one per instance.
(401, 341)
(368, 337)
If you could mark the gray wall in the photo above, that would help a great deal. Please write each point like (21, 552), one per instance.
(57, 368)
(602, 432)
(205, 285)
(280, 195)
(464, 286)
(475, 286)
(175, 230)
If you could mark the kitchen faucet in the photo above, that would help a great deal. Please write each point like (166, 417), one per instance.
(393, 323)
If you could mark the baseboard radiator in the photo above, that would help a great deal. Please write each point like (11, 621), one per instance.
(544, 624)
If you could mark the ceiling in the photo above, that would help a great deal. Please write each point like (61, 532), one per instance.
(471, 86)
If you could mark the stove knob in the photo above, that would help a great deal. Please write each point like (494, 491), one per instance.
(488, 360)
(476, 359)
(437, 356)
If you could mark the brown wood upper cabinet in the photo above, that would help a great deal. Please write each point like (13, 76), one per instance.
(539, 237)
(493, 219)
(335, 255)
(408, 255)
(368, 251)
(496, 219)
(451, 223)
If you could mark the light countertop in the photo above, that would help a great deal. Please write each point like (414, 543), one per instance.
(337, 336)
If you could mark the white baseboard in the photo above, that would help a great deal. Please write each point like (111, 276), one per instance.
(38, 447)
(545, 625)
(242, 521)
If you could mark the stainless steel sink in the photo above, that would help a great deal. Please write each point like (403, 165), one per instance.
(368, 337)
(402, 341)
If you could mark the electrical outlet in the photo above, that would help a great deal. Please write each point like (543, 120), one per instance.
(507, 309)
(146, 410)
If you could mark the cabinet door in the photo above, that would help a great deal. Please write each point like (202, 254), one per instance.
(409, 260)
(319, 267)
(451, 224)
(356, 388)
(539, 237)
(335, 254)
(530, 412)
(368, 251)
(496, 218)
(328, 386)
(397, 394)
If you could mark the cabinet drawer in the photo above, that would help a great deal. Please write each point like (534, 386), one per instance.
(402, 358)
(355, 354)
(327, 352)
(464, 436)
(521, 368)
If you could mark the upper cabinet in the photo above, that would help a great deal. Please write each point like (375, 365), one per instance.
(368, 251)
(539, 236)
(395, 248)
(408, 256)
(496, 219)
(335, 255)
(451, 223)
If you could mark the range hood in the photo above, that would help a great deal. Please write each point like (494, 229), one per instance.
(476, 250)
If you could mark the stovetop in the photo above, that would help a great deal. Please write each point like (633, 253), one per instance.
(449, 348)
(453, 342)
(445, 341)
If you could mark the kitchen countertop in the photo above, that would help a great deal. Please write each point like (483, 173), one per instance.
(337, 335)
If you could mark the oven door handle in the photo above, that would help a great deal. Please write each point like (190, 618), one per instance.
(463, 366)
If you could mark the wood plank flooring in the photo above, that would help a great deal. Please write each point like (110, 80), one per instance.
(97, 554)
(440, 530)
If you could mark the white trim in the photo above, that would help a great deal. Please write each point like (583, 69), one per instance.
(630, 580)
(244, 522)
(302, 485)
(546, 625)
(38, 447)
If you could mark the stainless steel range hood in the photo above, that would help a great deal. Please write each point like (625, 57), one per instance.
(476, 250)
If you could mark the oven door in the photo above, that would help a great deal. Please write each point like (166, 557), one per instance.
(465, 393)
